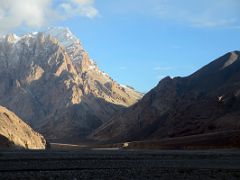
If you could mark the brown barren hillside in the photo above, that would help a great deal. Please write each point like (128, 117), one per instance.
(15, 134)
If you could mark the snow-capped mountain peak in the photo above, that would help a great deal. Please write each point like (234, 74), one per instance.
(67, 39)
(14, 39)
(53, 76)
(11, 38)
(64, 36)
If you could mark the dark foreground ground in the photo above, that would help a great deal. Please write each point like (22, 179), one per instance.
(119, 164)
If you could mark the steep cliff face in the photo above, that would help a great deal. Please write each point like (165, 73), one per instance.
(45, 75)
(15, 134)
(206, 101)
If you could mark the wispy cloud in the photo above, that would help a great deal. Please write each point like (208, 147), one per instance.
(37, 13)
(79, 7)
(193, 13)
(123, 68)
(162, 68)
(234, 27)
(204, 13)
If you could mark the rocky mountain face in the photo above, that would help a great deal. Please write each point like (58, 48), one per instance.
(204, 102)
(15, 134)
(48, 79)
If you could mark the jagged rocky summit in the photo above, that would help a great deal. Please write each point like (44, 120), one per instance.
(48, 79)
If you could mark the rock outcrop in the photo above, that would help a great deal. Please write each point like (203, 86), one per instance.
(204, 102)
(49, 80)
(15, 134)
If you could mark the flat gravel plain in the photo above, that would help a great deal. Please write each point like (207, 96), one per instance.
(120, 164)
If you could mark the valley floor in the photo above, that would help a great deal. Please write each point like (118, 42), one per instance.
(120, 164)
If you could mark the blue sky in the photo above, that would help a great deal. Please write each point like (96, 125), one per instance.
(138, 42)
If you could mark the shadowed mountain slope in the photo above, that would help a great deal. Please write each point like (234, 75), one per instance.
(206, 101)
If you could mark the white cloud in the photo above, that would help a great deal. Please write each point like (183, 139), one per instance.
(14, 13)
(84, 2)
(37, 13)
